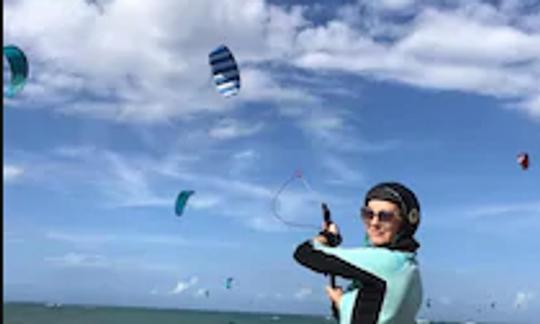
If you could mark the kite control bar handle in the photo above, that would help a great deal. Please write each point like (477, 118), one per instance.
(326, 214)
(333, 240)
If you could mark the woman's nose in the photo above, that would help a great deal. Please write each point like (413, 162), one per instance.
(374, 221)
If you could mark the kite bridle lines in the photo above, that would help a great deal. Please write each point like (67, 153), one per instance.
(297, 175)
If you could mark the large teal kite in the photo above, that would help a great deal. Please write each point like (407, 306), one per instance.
(181, 201)
(228, 282)
(18, 65)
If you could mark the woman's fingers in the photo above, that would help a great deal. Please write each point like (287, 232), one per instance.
(334, 294)
(333, 228)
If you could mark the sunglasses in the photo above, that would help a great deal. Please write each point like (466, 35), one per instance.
(384, 216)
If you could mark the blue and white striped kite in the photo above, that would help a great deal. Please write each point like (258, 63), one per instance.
(225, 71)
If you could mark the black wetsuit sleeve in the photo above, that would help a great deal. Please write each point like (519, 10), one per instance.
(369, 299)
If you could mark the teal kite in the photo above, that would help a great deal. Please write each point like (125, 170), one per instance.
(181, 201)
(18, 65)
(228, 283)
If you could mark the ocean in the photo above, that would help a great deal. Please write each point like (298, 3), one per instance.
(33, 313)
(36, 313)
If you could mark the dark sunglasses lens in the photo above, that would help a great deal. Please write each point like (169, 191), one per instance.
(367, 214)
(385, 216)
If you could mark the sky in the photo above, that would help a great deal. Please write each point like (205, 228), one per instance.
(120, 114)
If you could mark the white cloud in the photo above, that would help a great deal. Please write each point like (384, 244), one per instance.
(523, 208)
(248, 155)
(84, 53)
(532, 106)
(88, 54)
(12, 173)
(471, 48)
(74, 259)
(204, 201)
(201, 292)
(342, 173)
(79, 238)
(89, 239)
(396, 4)
(12, 238)
(122, 180)
(244, 162)
(303, 292)
(523, 299)
(129, 184)
(182, 286)
(100, 262)
(229, 128)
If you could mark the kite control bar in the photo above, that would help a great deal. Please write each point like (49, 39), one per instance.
(333, 240)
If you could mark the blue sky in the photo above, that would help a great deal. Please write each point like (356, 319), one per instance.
(119, 115)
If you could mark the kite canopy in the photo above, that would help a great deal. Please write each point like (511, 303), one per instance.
(225, 71)
(181, 201)
(18, 65)
(523, 160)
(228, 283)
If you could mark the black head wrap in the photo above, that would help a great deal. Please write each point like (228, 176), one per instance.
(409, 208)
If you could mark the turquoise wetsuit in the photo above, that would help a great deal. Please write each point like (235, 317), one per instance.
(388, 286)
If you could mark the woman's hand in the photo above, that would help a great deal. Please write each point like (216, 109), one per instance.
(334, 294)
(332, 228)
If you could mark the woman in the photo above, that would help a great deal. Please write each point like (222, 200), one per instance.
(386, 280)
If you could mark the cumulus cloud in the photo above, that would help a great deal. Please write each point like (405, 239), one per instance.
(201, 292)
(303, 292)
(12, 173)
(342, 173)
(464, 48)
(103, 262)
(86, 239)
(246, 155)
(523, 299)
(73, 259)
(523, 208)
(183, 285)
(229, 128)
(164, 75)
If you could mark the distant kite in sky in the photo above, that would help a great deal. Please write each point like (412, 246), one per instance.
(523, 160)
(18, 66)
(181, 201)
(225, 71)
(228, 283)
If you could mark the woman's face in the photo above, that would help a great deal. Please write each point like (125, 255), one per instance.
(382, 231)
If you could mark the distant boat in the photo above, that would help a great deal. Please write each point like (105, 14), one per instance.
(53, 305)
(422, 321)
(276, 318)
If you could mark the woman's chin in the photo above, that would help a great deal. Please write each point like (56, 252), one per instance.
(378, 241)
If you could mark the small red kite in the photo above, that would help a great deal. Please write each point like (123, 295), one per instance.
(523, 160)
